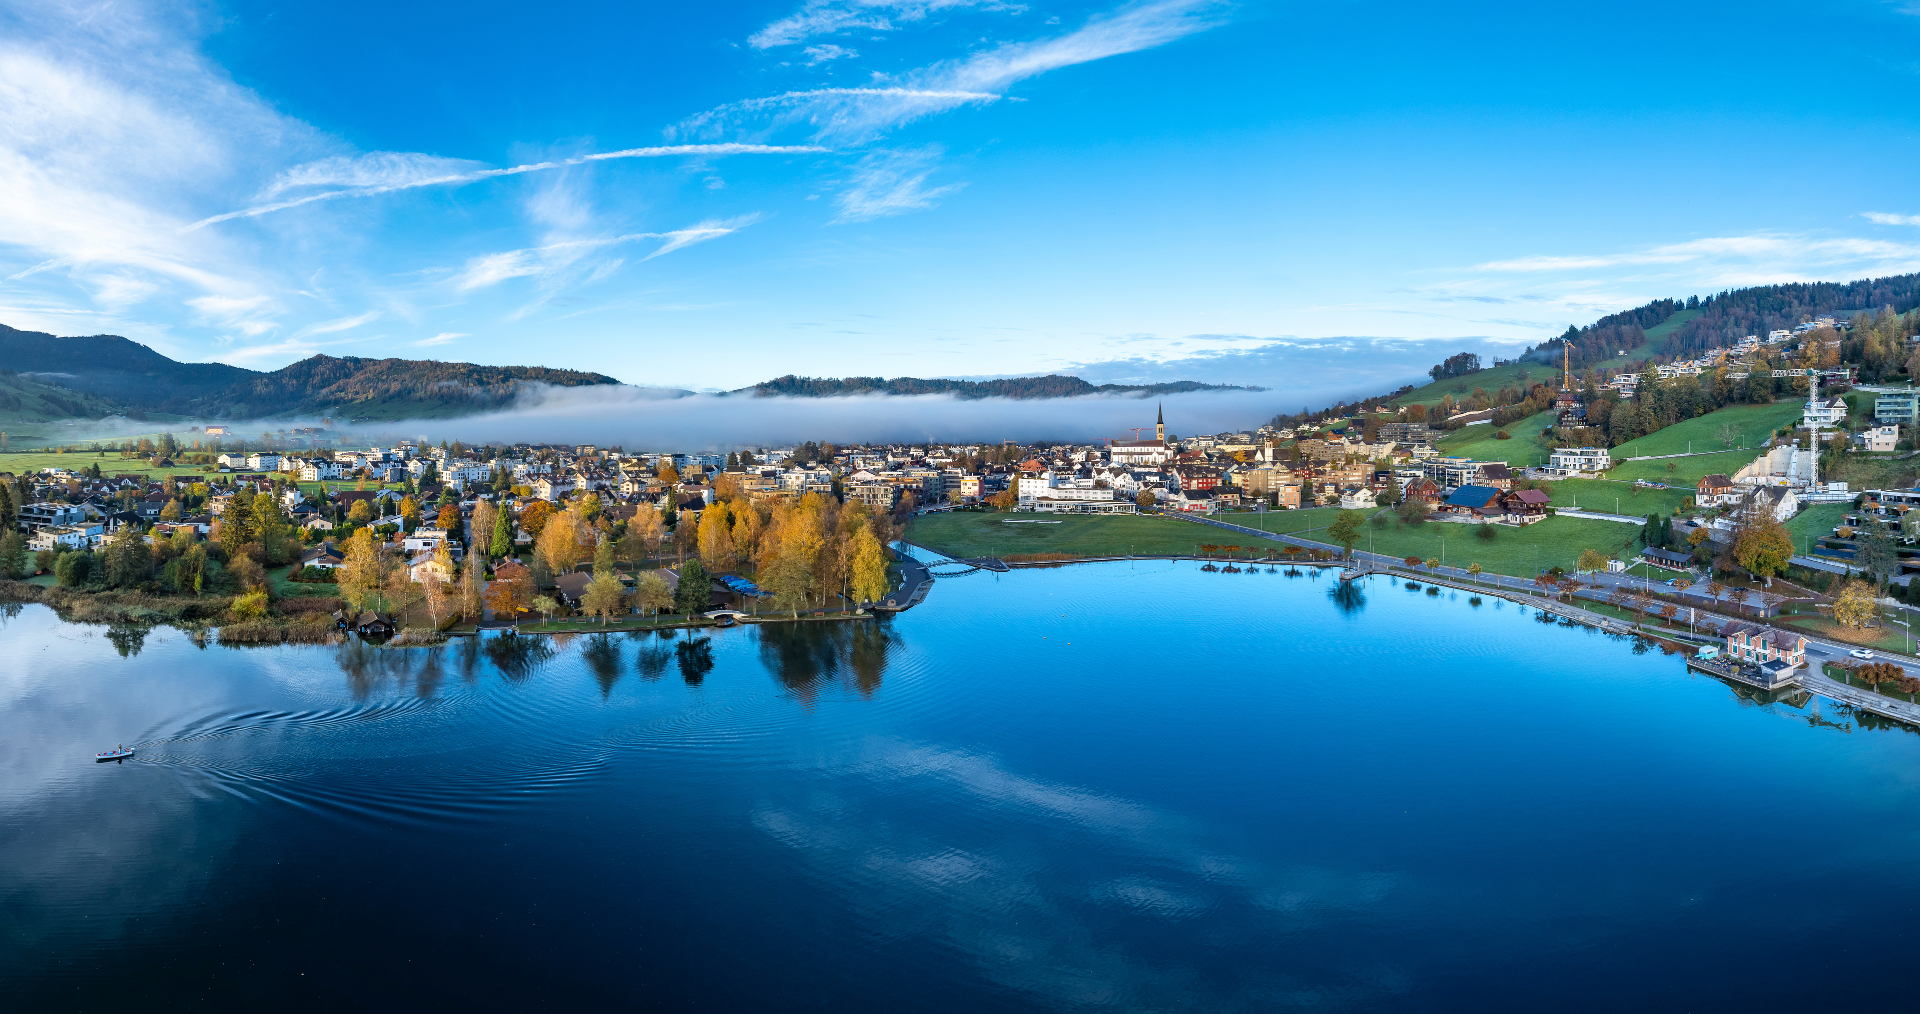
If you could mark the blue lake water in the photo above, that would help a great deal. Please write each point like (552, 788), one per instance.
(1101, 787)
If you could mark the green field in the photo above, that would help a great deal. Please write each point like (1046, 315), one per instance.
(1537, 372)
(1524, 447)
(1553, 542)
(1655, 335)
(21, 464)
(1815, 522)
(1609, 497)
(969, 534)
(1684, 471)
(1492, 380)
(1756, 424)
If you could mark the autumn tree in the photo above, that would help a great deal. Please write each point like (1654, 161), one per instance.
(869, 568)
(716, 538)
(653, 595)
(604, 595)
(1592, 561)
(448, 520)
(1763, 548)
(359, 576)
(533, 519)
(510, 593)
(1854, 607)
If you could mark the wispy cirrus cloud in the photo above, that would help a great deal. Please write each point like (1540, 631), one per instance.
(830, 17)
(336, 326)
(817, 55)
(1781, 252)
(492, 269)
(443, 338)
(892, 183)
(387, 172)
(1887, 218)
(856, 115)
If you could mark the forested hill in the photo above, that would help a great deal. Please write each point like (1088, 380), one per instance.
(135, 378)
(1722, 319)
(1051, 386)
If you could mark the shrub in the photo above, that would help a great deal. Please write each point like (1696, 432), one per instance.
(1502, 435)
(250, 606)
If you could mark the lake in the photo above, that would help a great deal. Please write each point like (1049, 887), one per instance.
(1101, 787)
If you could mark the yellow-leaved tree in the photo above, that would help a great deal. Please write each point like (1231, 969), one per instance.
(1855, 608)
(716, 537)
(869, 567)
(360, 574)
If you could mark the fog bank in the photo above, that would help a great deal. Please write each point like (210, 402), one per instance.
(631, 419)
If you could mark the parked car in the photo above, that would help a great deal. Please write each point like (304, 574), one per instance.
(1860, 653)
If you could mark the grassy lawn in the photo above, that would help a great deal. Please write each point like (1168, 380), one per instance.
(1756, 423)
(967, 534)
(1683, 471)
(1553, 542)
(1493, 380)
(1883, 689)
(1610, 497)
(1884, 638)
(1525, 447)
(1655, 335)
(34, 461)
(1815, 522)
(1872, 471)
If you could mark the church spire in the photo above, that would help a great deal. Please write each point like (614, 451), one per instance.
(1160, 423)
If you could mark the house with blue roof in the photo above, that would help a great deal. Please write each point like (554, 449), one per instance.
(1481, 500)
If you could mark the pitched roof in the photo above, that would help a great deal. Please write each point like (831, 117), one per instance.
(1714, 481)
(1473, 496)
(1530, 496)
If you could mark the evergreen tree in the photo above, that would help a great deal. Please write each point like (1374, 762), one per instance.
(695, 591)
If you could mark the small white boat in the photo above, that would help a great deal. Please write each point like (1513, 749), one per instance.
(117, 753)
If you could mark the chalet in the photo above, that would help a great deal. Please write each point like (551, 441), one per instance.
(1778, 501)
(1497, 475)
(1481, 500)
(1713, 490)
(1524, 505)
(1424, 490)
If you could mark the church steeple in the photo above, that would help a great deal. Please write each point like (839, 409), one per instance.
(1160, 423)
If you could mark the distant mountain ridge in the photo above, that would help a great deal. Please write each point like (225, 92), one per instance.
(1023, 388)
(132, 375)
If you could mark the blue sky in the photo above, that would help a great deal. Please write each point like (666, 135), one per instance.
(709, 195)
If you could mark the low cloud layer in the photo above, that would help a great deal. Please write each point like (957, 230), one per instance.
(639, 419)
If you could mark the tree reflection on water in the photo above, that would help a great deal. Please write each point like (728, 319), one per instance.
(1346, 597)
(518, 656)
(804, 656)
(696, 658)
(602, 656)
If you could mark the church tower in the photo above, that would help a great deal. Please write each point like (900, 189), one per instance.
(1160, 424)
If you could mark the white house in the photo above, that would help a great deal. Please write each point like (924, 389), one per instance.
(1572, 460)
(424, 540)
(1358, 499)
(233, 460)
(85, 535)
(1826, 411)
(1879, 439)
